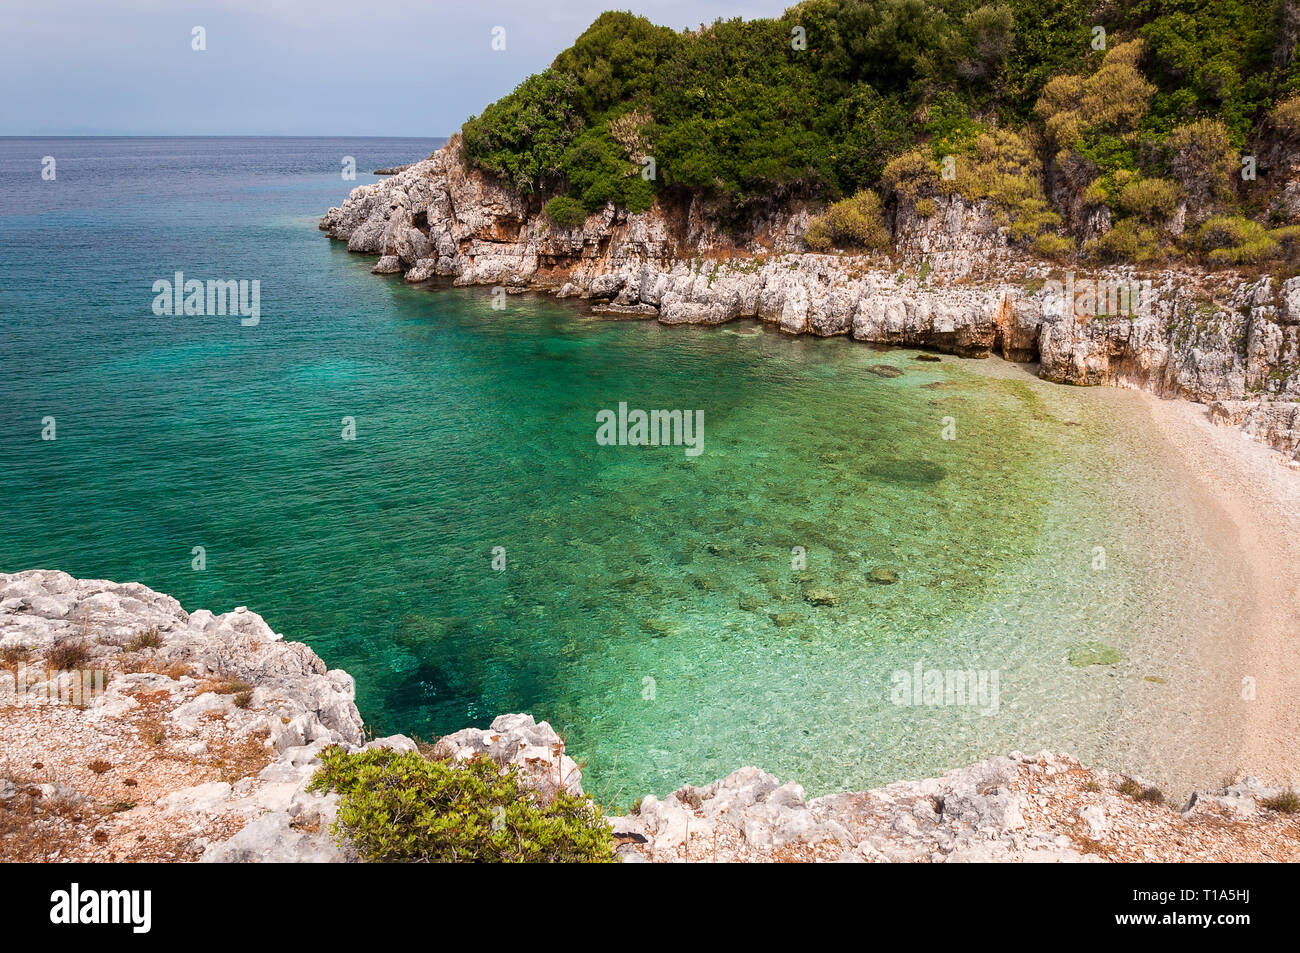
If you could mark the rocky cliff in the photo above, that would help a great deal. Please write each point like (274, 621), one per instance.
(203, 736)
(953, 284)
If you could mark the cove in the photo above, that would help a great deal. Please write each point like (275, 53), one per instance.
(649, 608)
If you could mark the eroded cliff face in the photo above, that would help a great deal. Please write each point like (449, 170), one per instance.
(953, 284)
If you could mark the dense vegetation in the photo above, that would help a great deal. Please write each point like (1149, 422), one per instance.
(409, 808)
(840, 96)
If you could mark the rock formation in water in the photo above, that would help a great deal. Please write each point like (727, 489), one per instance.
(954, 284)
(203, 739)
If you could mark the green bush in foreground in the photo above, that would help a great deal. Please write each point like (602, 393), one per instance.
(405, 807)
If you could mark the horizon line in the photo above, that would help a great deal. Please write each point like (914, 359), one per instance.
(172, 135)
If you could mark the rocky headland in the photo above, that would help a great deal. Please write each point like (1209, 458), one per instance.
(201, 741)
(953, 283)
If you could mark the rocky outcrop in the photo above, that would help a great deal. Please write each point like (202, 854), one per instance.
(1020, 808)
(954, 284)
(200, 734)
(182, 697)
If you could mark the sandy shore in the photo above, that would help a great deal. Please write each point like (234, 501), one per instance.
(1257, 498)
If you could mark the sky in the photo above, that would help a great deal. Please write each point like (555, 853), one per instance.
(289, 67)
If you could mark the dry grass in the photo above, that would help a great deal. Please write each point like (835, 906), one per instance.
(241, 758)
(144, 639)
(68, 655)
(223, 686)
(14, 655)
(153, 666)
(153, 731)
(1287, 802)
(1137, 792)
(33, 827)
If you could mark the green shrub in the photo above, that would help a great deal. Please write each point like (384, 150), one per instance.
(1055, 247)
(912, 176)
(1203, 159)
(1096, 193)
(1234, 240)
(565, 211)
(1286, 117)
(1112, 100)
(599, 171)
(522, 137)
(405, 807)
(1152, 200)
(1129, 240)
(926, 208)
(857, 222)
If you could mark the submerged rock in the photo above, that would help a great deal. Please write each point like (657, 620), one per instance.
(656, 627)
(821, 597)
(883, 575)
(1093, 653)
(885, 370)
(917, 472)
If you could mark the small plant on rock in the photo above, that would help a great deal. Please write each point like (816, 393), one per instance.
(1140, 792)
(145, 639)
(1286, 802)
(68, 655)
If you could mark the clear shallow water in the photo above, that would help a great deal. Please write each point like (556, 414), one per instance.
(649, 608)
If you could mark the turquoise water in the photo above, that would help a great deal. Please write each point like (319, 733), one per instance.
(649, 607)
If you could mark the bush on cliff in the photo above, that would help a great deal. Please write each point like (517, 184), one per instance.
(857, 222)
(1128, 241)
(405, 807)
(1152, 200)
(565, 211)
(1204, 160)
(1234, 240)
(522, 137)
(1286, 118)
(839, 96)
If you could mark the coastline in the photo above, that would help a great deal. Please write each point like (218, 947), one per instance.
(1207, 495)
(1260, 505)
(952, 283)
